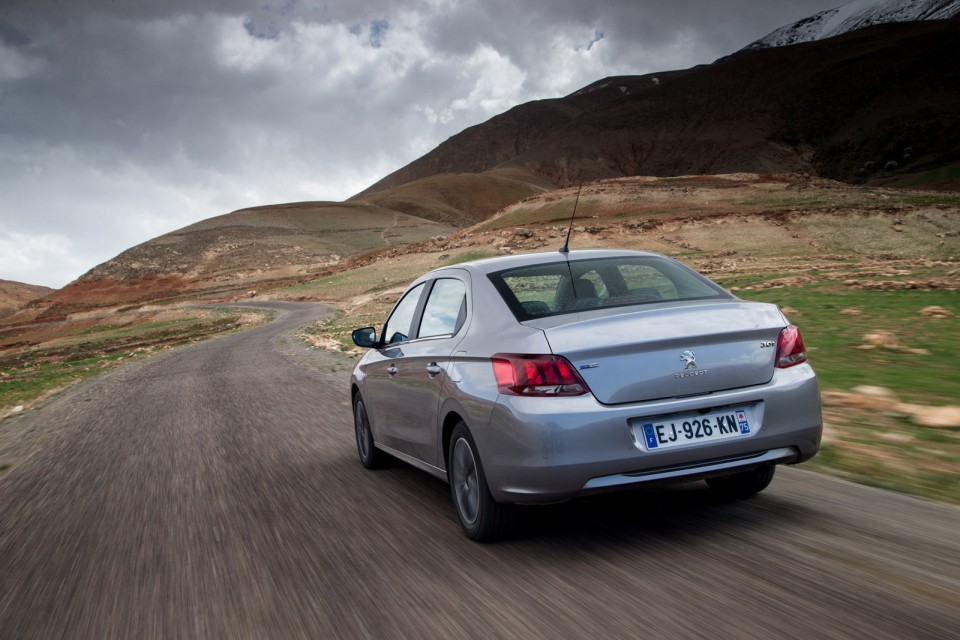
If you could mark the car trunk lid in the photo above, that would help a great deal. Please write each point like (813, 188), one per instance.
(671, 350)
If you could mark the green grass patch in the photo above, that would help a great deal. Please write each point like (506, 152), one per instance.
(783, 203)
(946, 173)
(31, 382)
(469, 256)
(833, 339)
(891, 453)
(366, 279)
(933, 199)
(881, 449)
(341, 326)
(747, 279)
(553, 212)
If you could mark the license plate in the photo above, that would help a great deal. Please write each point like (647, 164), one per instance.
(677, 430)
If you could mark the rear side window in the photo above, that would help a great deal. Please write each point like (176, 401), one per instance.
(583, 285)
(446, 309)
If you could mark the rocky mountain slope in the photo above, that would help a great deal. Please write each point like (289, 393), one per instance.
(856, 15)
(832, 108)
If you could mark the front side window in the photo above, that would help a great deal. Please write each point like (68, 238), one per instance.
(446, 309)
(397, 328)
(583, 285)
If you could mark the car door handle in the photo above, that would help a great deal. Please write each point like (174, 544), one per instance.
(391, 370)
(433, 369)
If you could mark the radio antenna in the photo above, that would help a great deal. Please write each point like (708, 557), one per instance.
(565, 249)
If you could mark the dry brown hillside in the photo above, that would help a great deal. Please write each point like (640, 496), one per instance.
(14, 295)
(785, 225)
(460, 199)
(235, 255)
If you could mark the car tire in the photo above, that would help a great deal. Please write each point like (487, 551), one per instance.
(483, 519)
(370, 456)
(744, 484)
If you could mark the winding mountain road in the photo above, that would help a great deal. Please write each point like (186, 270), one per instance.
(214, 492)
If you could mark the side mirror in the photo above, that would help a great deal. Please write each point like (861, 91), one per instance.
(366, 337)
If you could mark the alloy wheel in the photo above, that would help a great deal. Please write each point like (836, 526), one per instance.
(466, 484)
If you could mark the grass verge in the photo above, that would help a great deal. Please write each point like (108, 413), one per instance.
(34, 365)
(876, 338)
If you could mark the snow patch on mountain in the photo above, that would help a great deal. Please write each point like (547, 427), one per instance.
(857, 15)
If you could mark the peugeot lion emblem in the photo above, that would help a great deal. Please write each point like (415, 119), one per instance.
(689, 360)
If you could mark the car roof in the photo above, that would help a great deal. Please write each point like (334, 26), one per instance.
(491, 265)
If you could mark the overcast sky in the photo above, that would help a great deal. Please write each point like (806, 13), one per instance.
(121, 120)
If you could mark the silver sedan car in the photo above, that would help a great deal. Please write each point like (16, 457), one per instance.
(535, 379)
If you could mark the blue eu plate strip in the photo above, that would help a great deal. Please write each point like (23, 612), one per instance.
(650, 435)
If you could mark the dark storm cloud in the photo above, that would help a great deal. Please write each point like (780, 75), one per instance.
(121, 120)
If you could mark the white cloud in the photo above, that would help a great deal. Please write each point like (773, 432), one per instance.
(237, 48)
(22, 256)
(15, 65)
(496, 82)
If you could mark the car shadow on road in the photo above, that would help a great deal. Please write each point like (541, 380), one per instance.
(671, 513)
(662, 513)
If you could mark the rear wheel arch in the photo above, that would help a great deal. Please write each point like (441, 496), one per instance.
(451, 420)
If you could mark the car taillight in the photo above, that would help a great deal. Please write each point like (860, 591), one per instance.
(790, 348)
(537, 375)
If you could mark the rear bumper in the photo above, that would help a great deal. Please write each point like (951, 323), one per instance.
(698, 471)
(542, 450)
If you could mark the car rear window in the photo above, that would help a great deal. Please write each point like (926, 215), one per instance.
(568, 286)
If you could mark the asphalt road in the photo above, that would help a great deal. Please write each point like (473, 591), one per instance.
(214, 492)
